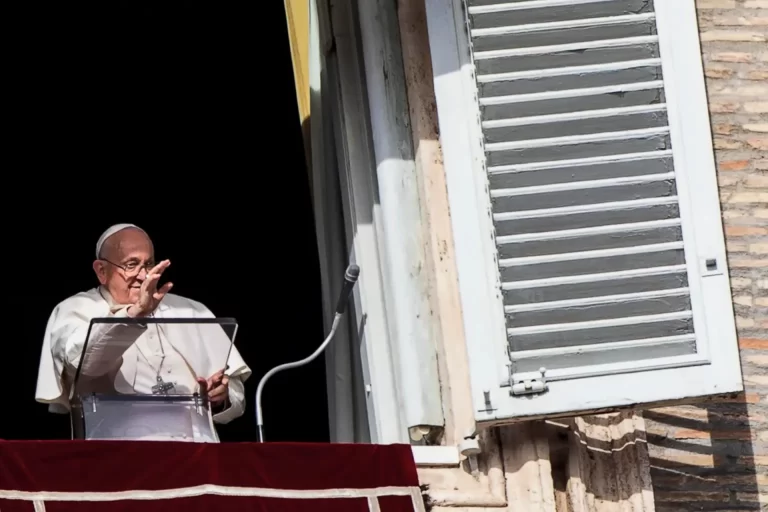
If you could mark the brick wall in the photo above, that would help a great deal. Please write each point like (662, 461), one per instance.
(716, 457)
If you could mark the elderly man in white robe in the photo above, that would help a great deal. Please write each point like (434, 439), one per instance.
(128, 277)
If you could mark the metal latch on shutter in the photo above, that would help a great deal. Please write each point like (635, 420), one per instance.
(529, 384)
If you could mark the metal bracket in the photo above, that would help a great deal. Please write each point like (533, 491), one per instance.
(487, 402)
(711, 267)
(529, 384)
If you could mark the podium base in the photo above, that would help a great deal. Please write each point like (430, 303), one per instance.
(183, 418)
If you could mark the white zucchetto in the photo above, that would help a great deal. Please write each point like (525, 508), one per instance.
(111, 231)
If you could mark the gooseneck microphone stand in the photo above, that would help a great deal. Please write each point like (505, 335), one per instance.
(350, 278)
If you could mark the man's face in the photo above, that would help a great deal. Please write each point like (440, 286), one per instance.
(127, 256)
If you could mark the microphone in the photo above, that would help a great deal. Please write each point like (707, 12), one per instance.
(350, 278)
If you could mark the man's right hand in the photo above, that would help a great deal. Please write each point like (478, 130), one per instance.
(149, 296)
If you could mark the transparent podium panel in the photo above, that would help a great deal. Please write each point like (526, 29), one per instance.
(147, 419)
(137, 378)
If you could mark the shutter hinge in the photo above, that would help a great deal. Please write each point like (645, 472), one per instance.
(529, 384)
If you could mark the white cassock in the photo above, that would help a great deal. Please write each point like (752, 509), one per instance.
(128, 359)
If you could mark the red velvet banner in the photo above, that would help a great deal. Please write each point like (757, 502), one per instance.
(149, 476)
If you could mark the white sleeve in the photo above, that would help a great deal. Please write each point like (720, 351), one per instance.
(236, 405)
(107, 343)
(63, 343)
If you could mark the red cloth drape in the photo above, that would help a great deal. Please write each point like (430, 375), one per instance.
(149, 476)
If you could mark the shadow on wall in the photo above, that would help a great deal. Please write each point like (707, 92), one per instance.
(598, 459)
(703, 457)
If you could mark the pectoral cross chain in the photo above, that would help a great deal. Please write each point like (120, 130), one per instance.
(162, 387)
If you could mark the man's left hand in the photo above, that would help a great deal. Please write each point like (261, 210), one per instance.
(217, 387)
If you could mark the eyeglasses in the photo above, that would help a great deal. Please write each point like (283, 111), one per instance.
(132, 268)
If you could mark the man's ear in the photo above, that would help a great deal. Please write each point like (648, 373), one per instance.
(101, 271)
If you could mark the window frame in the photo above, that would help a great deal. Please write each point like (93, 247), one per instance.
(363, 229)
(716, 368)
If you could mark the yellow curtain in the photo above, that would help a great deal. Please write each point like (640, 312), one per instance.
(297, 16)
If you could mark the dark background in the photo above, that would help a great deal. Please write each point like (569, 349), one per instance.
(181, 117)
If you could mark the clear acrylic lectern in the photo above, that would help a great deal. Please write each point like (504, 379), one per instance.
(132, 384)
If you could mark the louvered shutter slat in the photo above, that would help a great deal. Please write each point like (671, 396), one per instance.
(582, 182)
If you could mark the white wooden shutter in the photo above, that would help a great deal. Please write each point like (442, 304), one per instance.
(597, 173)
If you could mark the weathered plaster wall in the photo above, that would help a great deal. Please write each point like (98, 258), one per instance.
(715, 457)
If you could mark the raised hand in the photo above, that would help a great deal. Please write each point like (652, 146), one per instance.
(149, 296)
